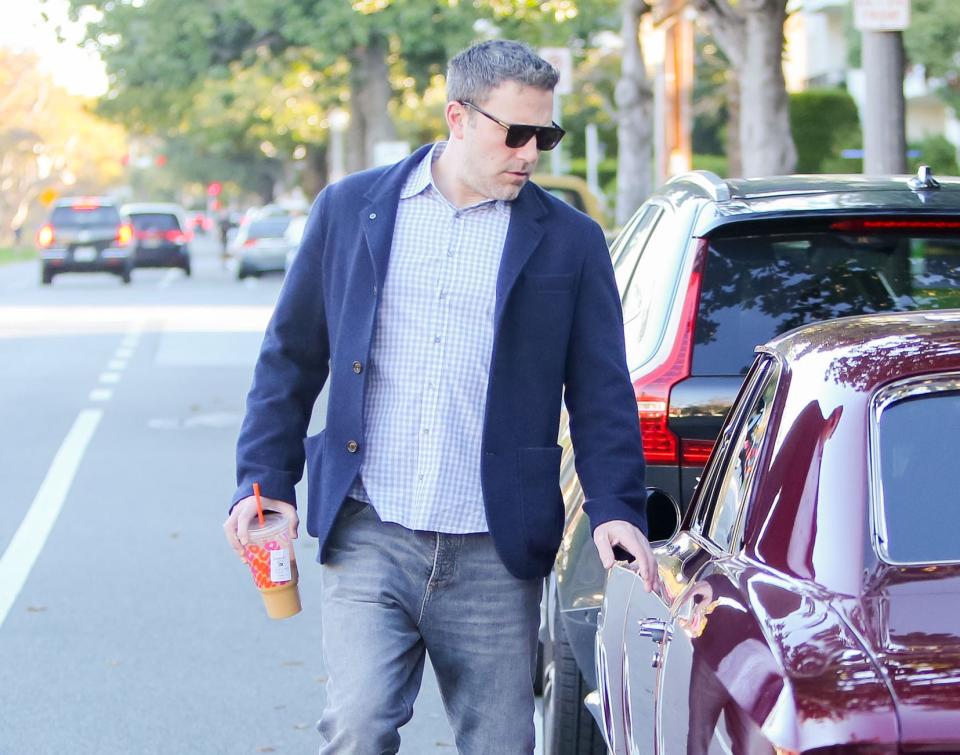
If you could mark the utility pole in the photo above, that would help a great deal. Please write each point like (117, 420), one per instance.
(881, 23)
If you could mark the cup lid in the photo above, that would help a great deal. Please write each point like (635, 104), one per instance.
(273, 525)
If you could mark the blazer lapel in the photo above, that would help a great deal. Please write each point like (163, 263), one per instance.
(377, 219)
(523, 236)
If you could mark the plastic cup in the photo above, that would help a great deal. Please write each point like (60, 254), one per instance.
(273, 564)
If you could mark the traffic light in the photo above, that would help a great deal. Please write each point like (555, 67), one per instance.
(213, 189)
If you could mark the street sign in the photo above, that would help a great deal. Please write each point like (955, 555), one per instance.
(881, 15)
(47, 196)
(562, 59)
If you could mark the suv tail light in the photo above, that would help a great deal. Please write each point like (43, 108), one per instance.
(177, 237)
(124, 234)
(660, 445)
(45, 236)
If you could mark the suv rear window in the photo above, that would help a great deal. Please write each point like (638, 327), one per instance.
(155, 221)
(271, 228)
(918, 445)
(755, 288)
(76, 217)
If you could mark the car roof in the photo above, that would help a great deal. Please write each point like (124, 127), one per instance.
(83, 200)
(745, 199)
(153, 207)
(865, 352)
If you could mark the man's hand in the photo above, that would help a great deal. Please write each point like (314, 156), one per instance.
(245, 512)
(632, 540)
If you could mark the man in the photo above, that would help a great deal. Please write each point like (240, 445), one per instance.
(453, 304)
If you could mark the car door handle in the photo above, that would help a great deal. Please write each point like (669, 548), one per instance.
(656, 629)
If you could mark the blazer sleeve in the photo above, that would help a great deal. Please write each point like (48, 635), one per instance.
(290, 372)
(604, 424)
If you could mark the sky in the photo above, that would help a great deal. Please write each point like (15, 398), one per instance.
(23, 29)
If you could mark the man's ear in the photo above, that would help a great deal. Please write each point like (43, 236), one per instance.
(456, 115)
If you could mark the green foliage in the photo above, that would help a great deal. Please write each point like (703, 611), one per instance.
(823, 122)
(937, 152)
(714, 163)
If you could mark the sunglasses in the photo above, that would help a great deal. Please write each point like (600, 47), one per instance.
(518, 135)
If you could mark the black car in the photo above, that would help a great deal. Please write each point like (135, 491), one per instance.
(707, 269)
(85, 235)
(161, 237)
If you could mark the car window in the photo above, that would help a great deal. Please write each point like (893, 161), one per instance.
(629, 245)
(155, 221)
(649, 293)
(728, 488)
(269, 228)
(757, 287)
(919, 445)
(78, 217)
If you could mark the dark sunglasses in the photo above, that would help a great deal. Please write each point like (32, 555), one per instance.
(518, 135)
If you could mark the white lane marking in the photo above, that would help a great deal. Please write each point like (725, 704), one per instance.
(110, 377)
(117, 364)
(168, 278)
(27, 542)
(123, 353)
(101, 394)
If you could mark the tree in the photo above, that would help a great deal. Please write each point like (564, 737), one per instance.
(751, 35)
(48, 140)
(635, 117)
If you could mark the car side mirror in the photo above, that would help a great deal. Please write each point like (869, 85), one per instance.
(663, 515)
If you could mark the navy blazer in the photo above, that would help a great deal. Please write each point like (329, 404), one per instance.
(558, 335)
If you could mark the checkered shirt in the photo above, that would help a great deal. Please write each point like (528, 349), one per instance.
(430, 361)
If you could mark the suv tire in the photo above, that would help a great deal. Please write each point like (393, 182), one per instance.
(46, 277)
(568, 727)
(125, 276)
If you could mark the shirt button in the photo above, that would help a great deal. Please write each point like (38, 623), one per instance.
(357, 367)
(352, 446)
(436, 339)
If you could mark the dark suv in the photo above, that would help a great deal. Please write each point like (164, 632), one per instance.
(85, 235)
(707, 269)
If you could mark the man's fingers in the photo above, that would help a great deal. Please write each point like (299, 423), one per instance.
(605, 550)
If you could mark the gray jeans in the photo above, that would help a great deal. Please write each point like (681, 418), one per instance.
(391, 595)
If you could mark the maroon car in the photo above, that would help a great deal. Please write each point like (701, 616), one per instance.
(811, 597)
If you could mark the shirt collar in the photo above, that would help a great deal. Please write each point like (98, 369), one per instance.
(421, 179)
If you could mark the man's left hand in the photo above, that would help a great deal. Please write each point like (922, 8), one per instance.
(634, 542)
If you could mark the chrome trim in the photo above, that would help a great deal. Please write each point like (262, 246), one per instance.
(882, 400)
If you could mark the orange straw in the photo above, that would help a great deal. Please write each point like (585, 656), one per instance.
(256, 494)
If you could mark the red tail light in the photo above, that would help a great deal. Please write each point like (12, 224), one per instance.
(177, 237)
(250, 242)
(124, 234)
(694, 453)
(45, 236)
(660, 445)
(895, 225)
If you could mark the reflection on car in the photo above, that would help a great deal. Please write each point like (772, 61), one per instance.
(808, 600)
(707, 269)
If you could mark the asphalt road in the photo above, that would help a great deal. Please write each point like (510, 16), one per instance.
(126, 624)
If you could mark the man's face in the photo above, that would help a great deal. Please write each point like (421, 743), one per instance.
(491, 169)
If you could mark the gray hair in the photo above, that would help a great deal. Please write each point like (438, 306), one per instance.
(478, 70)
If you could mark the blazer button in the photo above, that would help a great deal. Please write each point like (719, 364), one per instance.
(357, 367)
(352, 446)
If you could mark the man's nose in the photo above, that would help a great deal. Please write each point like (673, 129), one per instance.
(529, 152)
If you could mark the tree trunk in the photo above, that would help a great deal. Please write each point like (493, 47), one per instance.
(751, 35)
(734, 159)
(884, 138)
(766, 144)
(370, 95)
(634, 98)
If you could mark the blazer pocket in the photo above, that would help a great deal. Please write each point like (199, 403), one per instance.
(541, 502)
(550, 283)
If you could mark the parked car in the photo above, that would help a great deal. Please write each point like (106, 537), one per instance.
(85, 235)
(807, 602)
(293, 236)
(160, 233)
(707, 269)
(574, 191)
(260, 247)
